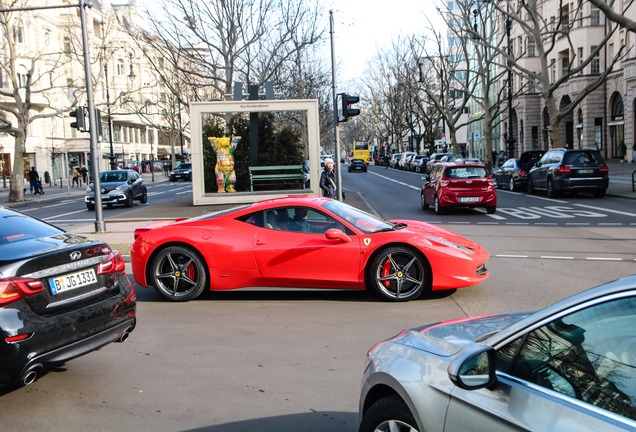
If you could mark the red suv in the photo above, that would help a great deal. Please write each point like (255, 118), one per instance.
(459, 185)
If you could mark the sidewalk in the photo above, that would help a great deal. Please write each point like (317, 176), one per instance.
(120, 230)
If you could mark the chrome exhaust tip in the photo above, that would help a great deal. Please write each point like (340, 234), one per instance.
(124, 336)
(29, 377)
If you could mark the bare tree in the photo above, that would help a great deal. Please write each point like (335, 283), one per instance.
(32, 74)
(619, 17)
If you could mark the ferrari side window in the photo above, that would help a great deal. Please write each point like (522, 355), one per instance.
(255, 219)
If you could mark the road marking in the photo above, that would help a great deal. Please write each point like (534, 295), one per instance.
(494, 216)
(606, 210)
(65, 214)
(487, 223)
(610, 224)
(579, 224)
(512, 256)
(547, 223)
(603, 259)
(184, 192)
(556, 257)
(546, 199)
(517, 223)
(395, 181)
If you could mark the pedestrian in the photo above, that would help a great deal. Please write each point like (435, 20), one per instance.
(76, 176)
(328, 179)
(34, 177)
(84, 172)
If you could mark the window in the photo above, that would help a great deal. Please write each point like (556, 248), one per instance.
(160, 63)
(22, 77)
(18, 34)
(116, 133)
(532, 50)
(580, 55)
(120, 66)
(598, 132)
(145, 79)
(67, 44)
(595, 16)
(595, 65)
(565, 64)
(142, 136)
(589, 355)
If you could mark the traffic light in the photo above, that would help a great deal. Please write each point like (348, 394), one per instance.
(80, 119)
(347, 111)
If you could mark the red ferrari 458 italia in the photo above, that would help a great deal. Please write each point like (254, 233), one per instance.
(305, 242)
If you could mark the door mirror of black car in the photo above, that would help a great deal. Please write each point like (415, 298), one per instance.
(474, 369)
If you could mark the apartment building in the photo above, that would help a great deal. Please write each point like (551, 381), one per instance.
(129, 90)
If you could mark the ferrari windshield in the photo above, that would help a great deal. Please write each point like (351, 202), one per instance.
(365, 222)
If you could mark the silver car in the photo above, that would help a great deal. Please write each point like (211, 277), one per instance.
(118, 187)
(568, 367)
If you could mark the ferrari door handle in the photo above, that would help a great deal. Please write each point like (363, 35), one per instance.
(261, 242)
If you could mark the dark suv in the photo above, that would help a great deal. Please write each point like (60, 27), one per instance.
(561, 170)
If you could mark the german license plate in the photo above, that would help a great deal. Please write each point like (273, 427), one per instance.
(469, 199)
(72, 281)
(586, 171)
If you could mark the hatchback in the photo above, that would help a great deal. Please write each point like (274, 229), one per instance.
(568, 367)
(118, 187)
(458, 185)
(61, 296)
(562, 170)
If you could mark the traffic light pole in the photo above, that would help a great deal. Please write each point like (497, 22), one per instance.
(100, 226)
(336, 137)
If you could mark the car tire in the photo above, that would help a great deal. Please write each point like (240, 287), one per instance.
(439, 210)
(398, 274)
(497, 184)
(144, 197)
(423, 202)
(90, 206)
(491, 209)
(529, 186)
(129, 200)
(511, 184)
(178, 273)
(550, 189)
(388, 414)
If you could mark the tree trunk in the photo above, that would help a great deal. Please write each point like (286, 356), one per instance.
(16, 192)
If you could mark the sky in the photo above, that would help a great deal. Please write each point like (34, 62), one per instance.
(363, 26)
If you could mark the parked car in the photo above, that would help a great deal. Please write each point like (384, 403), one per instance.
(183, 172)
(570, 366)
(513, 173)
(562, 170)
(434, 160)
(405, 158)
(118, 187)
(61, 296)
(303, 241)
(395, 160)
(418, 162)
(458, 185)
(357, 165)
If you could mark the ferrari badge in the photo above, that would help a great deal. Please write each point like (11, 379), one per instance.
(367, 241)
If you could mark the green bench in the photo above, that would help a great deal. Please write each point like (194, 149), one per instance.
(268, 174)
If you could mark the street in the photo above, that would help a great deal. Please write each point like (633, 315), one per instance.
(292, 360)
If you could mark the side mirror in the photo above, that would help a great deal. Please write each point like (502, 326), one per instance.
(474, 369)
(425, 177)
(336, 234)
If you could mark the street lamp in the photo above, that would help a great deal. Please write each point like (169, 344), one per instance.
(113, 164)
(510, 139)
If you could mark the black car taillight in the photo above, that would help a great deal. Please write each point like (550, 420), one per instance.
(114, 264)
(14, 289)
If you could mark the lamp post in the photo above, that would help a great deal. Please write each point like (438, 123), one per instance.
(510, 139)
(180, 131)
(113, 164)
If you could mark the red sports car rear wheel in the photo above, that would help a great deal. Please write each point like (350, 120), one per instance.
(178, 273)
(398, 274)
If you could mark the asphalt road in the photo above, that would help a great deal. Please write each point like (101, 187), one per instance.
(291, 360)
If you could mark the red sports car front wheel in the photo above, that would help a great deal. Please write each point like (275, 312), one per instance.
(178, 273)
(399, 274)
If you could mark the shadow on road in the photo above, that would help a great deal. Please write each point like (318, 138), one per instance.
(314, 421)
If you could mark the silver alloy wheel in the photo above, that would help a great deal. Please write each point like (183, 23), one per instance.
(423, 201)
(512, 184)
(395, 426)
(398, 274)
(178, 274)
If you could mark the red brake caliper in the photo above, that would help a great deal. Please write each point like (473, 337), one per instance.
(386, 270)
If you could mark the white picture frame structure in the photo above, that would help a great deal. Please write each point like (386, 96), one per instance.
(197, 109)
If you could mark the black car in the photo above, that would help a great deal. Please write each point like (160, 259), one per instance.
(183, 171)
(562, 170)
(357, 165)
(513, 173)
(118, 187)
(61, 296)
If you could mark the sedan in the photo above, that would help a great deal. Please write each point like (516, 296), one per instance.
(118, 187)
(357, 165)
(568, 367)
(303, 242)
(61, 296)
(458, 185)
(513, 173)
